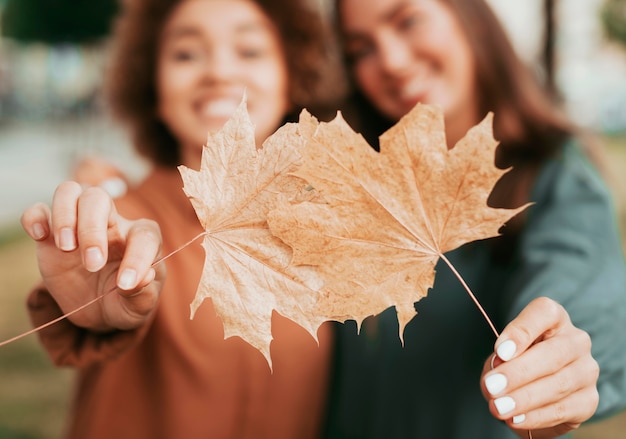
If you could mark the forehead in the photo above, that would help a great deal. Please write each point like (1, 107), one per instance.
(362, 14)
(348, 9)
(216, 18)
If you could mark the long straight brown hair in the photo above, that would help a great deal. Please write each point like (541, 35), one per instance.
(527, 121)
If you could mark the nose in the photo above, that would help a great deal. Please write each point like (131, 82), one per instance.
(394, 54)
(219, 66)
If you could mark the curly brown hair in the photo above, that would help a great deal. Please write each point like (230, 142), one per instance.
(314, 73)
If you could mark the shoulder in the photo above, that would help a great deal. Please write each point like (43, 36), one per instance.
(570, 176)
(570, 192)
(573, 213)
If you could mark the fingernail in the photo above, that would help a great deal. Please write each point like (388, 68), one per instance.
(495, 383)
(67, 241)
(128, 279)
(504, 405)
(94, 259)
(506, 350)
(519, 419)
(116, 187)
(38, 231)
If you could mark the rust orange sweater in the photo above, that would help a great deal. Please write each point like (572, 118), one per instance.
(176, 377)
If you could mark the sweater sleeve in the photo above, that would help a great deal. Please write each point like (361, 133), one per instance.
(71, 345)
(571, 251)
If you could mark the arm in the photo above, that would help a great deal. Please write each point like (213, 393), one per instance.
(86, 249)
(571, 253)
(93, 171)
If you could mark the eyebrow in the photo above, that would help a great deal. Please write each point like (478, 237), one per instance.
(181, 32)
(193, 31)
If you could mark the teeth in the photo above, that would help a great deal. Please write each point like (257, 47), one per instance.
(411, 89)
(220, 108)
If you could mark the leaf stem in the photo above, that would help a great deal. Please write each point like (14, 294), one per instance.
(471, 294)
(58, 319)
(92, 301)
(482, 310)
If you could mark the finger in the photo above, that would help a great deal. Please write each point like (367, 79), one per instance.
(540, 360)
(554, 389)
(150, 277)
(96, 213)
(540, 319)
(142, 249)
(568, 412)
(36, 221)
(551, 389)
(141, 303)
(64, 214)
(491, 363)
(133, 309)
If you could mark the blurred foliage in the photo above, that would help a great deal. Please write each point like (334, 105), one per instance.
(57, 21)
(613, 16)
(35, 395)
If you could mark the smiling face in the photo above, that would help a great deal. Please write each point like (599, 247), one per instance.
(409, 51)
(211, 52)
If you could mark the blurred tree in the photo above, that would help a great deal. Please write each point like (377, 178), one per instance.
(614, 19)
(548, 53)
(57, 21)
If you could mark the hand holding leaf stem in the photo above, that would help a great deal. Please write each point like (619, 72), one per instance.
(542, 377)
(85, 249)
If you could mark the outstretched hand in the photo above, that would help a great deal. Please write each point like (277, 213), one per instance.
(85, 249)
(542, 376)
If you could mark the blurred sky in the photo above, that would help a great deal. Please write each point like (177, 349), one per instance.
(51, 113)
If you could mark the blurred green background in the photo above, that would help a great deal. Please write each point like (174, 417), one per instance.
(51, 114)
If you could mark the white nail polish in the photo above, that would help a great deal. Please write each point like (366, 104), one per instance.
(495, 383)
(506, 350)
(504, 405)
(519, 419)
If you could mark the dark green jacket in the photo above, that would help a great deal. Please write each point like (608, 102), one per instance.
(570, 251)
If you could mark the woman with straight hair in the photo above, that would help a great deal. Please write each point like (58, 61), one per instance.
(554, 282)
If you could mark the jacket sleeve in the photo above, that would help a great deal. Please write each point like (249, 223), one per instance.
(571, 251)
(70, 345)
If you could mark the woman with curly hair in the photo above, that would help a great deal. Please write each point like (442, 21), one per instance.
(144, 370)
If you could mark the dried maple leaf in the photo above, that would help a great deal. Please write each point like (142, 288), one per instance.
(390, 215)
(247, 271)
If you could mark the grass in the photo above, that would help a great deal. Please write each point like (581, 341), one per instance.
(34, 395)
